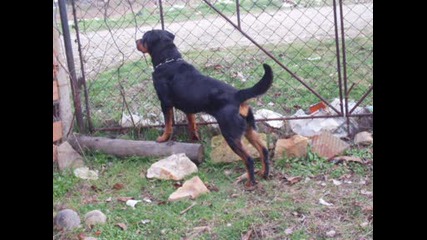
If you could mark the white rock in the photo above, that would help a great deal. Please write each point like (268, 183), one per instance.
(265, 113)
(85, 173)
(174, 167)
(126, 120)
(68, 157)
(95, 217)
(191, 188)
(363, 138)
(311, 127)
(67, 219)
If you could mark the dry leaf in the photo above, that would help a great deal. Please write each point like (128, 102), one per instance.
(122, 226)
(212, 188)
(218, 67)
(323, 202)
(293, 180)
(346, 176)
(97, 233)
(234, 195)
(95, 188)
(247, 236)
(347, 159)
(336, 182)
(108, 199)
(118, 186)
(124, 199)
(196, 231)
(368, 209)
(90, 199)
(241, 178)
(147, 200)
(81, 236)
(364, 192)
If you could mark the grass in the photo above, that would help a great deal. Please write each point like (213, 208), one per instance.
(276, 210)
(286, 93)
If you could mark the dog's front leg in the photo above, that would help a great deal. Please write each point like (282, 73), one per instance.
(193, 127)
(168, 115)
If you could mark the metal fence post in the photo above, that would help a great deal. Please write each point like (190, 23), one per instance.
(83, 77)
(71, 68)
(162, 20)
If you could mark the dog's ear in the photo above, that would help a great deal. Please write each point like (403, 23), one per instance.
(169, 36)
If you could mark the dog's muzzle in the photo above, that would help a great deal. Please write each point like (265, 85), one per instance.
(141, 46)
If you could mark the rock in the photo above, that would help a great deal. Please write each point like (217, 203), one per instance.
(208, 118)
(331, 233)
(95, 217)
(131, 203)
(130, 120)
(363, 138)
(67, 219)
(311, 127)
(190, 189)
(221, 152)
(327, 145)
(265, 113)
(68, 157)
(296, 146)
(85, 173)
(365, 123)
(174, 167)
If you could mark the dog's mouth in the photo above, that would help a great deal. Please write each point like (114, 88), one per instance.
(141, 46)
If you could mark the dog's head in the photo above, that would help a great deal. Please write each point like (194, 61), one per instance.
(153, 38)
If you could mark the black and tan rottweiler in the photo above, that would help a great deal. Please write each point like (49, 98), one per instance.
(178, 84)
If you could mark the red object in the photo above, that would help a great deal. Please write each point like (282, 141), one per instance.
(317, 106)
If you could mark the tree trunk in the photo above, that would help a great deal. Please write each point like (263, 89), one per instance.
(127, 148)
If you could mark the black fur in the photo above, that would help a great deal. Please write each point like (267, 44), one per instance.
(178, 84)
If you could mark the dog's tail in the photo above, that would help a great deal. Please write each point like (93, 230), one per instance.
(259, 88)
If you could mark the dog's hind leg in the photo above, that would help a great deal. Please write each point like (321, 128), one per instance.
(237, 147)
(255, 140)
(168, 115)
(192, 127)
(232, 128)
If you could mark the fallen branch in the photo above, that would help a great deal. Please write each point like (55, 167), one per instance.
(127, 148)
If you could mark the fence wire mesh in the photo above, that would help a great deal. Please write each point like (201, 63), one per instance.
(300, 34)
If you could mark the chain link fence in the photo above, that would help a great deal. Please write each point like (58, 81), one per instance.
(320, 50)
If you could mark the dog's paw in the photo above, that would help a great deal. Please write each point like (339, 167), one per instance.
(262, 174)
(195, 138)
(249, 186)
(163, 138)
